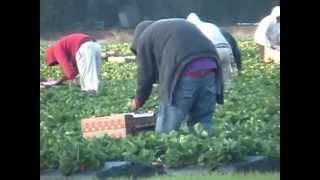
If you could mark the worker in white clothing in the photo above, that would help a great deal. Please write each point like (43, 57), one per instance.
(267, 35)
(273, 34)
(213, 33)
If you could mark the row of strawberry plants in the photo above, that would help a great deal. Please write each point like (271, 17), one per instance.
(248, 122)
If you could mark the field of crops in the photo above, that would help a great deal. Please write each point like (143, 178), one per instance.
(247, 124)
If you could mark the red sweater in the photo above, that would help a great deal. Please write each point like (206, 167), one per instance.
(63, 52)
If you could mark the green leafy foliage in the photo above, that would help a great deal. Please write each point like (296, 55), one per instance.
(248, 122)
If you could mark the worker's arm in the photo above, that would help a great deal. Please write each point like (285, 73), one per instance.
(68, 66)
(146, 76)
(61, 80)
(53, 82)
(235, 48)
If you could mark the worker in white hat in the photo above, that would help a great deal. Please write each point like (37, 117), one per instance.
(267, 34)
(213, 33)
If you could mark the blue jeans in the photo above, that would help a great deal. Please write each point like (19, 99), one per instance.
(194, 99)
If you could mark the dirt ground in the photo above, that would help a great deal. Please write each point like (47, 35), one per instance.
(117, 35)
(240, 31)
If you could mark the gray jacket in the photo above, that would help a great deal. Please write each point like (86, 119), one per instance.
(163, 50)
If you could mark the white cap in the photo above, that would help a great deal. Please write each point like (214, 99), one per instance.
(194, 18)
(275, 11)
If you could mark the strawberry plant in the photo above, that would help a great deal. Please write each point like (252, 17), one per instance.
(248, 122)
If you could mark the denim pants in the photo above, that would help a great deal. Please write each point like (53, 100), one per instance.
(194, 100)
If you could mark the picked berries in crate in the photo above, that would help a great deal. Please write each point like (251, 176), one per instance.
(117, 125)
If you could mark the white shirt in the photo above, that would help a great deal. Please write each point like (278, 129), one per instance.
(260, 35)
(211, 31)
(273, 34)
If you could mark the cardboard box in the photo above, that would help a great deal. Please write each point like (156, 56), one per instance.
(272, 55)
(121, 59)
(117, 125)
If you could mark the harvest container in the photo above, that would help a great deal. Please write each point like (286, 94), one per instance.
(117, 125)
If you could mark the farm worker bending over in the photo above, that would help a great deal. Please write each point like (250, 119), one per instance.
(273, 35)
(213, 33)
(77, 54)
(235, 48)
(185, 64)
(267, 35)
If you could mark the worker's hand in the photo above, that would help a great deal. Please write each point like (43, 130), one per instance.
(50, 83)
(135, 104)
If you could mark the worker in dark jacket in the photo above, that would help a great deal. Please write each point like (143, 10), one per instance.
(235, 48)
(175, 54)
